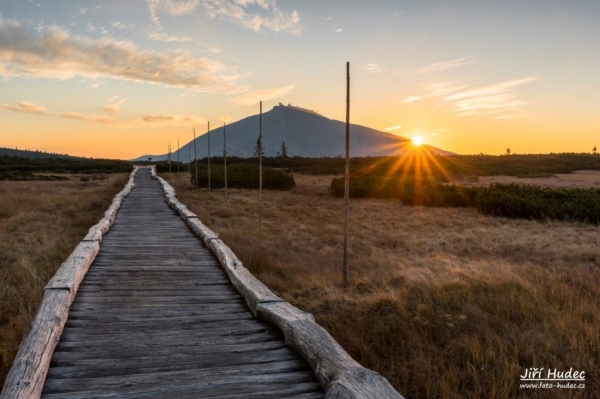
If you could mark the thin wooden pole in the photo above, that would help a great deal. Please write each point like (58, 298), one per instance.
(190, 158)
(260, 150)
(208, 157)
(169, 157)
(225, 159)
(195, 158)
(177, 155)
(347, 178)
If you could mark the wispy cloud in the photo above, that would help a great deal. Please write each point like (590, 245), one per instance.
(339, 30)
(253, 97)
(145, 121)
(412, 99)
(121, 25)
(485, 100)
(114, 103)
(268, 15)
(55, 53)
(466, 99)
(170, 38)
(25, 107)
(373, 68)
(172, 7)
(392, 128)
(440, 66)
(265, 13)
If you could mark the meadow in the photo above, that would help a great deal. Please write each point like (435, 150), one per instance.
(41, 222)
(444, 302)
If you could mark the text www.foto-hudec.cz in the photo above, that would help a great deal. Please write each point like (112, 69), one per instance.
(552, 378)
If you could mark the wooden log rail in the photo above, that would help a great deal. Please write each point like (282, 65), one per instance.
(27, 375)
(341, 376)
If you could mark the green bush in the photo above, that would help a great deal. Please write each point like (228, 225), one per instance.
(242, 175)
(503, 200)
(163, 167)
(532, 202)
(410, 191)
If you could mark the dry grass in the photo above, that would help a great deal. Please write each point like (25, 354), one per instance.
(40, 224)
(579, 179)
(445, 303)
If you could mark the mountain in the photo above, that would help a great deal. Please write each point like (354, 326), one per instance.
(305, 132)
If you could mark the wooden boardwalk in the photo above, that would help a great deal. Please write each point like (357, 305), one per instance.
(156, 317)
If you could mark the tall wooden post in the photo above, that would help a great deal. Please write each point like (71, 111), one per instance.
(195, 158)
(260, 150)
(177, 155)
(225, 159)
(190, 158)
(208, 156)
(347, 178)
(169, 147)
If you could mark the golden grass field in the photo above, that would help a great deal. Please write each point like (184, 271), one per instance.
(40, 225)
(445, 303)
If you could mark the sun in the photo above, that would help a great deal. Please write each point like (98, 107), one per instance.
(417, 140)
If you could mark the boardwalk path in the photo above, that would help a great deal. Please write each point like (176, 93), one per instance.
(156, 317)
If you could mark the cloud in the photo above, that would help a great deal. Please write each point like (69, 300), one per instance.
(121, 25)
(486, 100)
(440, 66)
(94, 86)
(268, 16)
(412, 99)
(145, 121)
(235, 11)
(339, 30)
(169, 38)
(25, 107)
(172, 7)
(90, 28)
(467, 100)
(55, 53)
(373, 68)
(391, 128)
(253, 97)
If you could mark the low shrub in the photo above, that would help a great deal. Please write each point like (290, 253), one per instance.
(242, 176)
(504, 200)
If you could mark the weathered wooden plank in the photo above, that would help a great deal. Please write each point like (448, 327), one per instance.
(260, 390)
(28, 372)
(174, 377)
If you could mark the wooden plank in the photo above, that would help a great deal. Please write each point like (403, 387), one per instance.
(173, 377)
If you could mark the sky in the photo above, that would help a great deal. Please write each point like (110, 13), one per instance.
(122, 78)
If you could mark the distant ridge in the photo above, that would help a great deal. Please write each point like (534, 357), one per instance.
(305, 132)
(31, 154)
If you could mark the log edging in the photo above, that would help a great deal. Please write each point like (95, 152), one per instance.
(27, 375)
(341, 376)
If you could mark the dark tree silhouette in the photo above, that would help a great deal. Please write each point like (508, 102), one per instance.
(508, 151)
(284, 153)
(258, 149)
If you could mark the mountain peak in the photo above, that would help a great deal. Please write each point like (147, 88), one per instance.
(305, 132)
